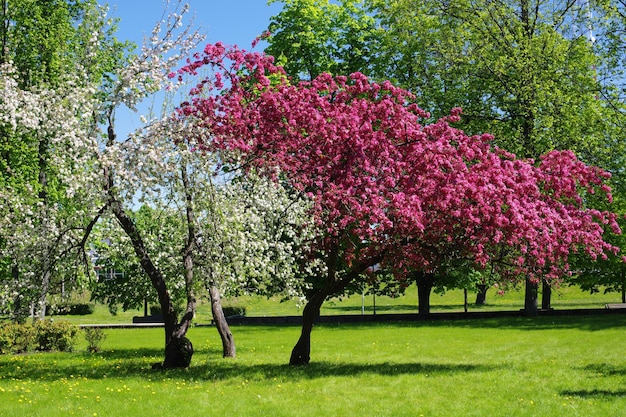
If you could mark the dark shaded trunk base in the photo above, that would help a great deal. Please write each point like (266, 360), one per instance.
(178, 353)
(530, 298)
(481, 295)
(425, 283)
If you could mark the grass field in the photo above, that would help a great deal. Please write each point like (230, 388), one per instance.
(451, 301)
(547, 366)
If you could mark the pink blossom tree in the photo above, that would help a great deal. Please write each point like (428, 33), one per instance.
(388, 189)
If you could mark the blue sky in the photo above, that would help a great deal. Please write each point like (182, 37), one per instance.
(230, 21)
(234, 22)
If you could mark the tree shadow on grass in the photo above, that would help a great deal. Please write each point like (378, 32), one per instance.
(137, 363)
(591, 322)
(599, 370)
(594, 393)
(605, 369)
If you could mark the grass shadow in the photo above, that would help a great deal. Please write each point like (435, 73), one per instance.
(317, 370)
(594, 393)
(137, 363)
(592, 322)
(369, 308)
(605, 369)
(599, 370)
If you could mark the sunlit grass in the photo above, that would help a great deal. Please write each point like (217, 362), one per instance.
(498, 367)
(450, 301)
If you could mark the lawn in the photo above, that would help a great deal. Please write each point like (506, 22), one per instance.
(450, 301)
(546, 366)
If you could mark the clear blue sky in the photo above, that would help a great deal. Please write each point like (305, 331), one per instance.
(230, 21)
(234, 22)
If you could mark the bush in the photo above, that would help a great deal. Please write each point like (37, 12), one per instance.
(234, 311)
(94, 336)
(73, 309)
(16, 338)
(155, 310)
(52, 335)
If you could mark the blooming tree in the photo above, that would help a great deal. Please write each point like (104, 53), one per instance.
(388, 189)
(160, 165)
(43, 224)
(53, 57)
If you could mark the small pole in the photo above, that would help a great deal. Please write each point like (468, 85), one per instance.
(363, 302)
(465, 299)
(374, 298)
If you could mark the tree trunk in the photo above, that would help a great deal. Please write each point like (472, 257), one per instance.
(546, 295)
(481, 295)
(530, 298)
(158, 282)
(301, 352)
(40, 313)
(178, 348)
(20, 310)
(228, 342)
(425, 283)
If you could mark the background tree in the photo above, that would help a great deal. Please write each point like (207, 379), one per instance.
(310, 37)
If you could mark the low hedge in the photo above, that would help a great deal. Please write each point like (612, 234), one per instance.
(71, 309)
(234, 311)
(45, 335)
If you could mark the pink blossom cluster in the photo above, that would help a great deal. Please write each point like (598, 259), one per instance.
(384, 182)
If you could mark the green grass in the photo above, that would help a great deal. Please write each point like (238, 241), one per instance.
(450, 301)
(547, 366)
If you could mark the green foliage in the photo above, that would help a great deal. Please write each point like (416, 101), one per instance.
(55, 336)
(44, 335)
(121, 279)
(94, 337)
(17, 338)
(310, 37)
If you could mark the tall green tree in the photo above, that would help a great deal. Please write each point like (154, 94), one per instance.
(310, 37)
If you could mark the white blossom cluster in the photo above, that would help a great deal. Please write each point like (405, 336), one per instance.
(255, 238)
(38, 234)
(147, 72)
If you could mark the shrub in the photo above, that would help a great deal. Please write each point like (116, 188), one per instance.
(52, 335)
(155, 310)
(94, 336)
(16, 338)
(234, 311)
(74, 309)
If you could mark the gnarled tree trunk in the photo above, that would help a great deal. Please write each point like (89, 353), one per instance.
(301, 352)
(228, 342)
(178, 349)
